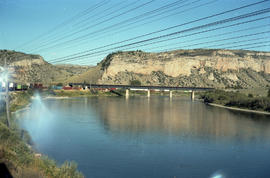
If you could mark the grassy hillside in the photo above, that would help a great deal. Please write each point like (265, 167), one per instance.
(28, 68)
(92, 75)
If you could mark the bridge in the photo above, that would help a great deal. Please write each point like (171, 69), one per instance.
(145, 88)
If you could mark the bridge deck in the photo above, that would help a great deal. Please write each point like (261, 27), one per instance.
(141, 87)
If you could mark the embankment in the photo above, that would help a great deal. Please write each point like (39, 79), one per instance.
(237, 101)
(18, 156)
(239, 109)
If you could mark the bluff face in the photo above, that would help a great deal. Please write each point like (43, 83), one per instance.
(28, 68)
(200, 68)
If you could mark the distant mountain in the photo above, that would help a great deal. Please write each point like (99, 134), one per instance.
(28, 68)
(199, 67)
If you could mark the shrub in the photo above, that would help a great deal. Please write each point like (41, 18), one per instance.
(237, 99)
(135, 83)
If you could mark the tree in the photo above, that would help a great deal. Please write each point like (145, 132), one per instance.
(135, 83)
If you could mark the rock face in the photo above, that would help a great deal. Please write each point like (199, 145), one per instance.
(200, 67)
(27, 68)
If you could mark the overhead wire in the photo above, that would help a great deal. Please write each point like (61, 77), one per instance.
(213, 36)
(166, 29)
(61, 25)
(99, 23)
(224, 39)
(93, 17)
(61, 33)
(214, 41)
(255, 13)
(111, 31)
(235, 47)
(204, 31)
(259, 46)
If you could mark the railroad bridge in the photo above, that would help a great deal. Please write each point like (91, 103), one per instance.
(170, 89)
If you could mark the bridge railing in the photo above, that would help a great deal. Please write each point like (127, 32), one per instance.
(141, 87)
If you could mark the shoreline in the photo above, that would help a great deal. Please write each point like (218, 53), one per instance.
(38, 163)
(238, 109)
(56, 97)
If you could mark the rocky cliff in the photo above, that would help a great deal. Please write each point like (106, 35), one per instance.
(200, 67)
(28, 68)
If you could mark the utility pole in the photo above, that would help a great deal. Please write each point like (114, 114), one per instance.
(7, 94)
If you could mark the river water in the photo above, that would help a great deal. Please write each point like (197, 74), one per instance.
(157, 137)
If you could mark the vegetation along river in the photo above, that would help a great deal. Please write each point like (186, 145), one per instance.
(156, 137)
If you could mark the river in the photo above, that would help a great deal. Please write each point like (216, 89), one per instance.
(157, 137)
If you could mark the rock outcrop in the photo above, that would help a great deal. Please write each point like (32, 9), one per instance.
(28, 68)
(200, 67)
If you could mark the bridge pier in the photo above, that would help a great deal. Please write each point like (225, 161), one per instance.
(192, 95)
(170, 93)
(127, 93)
(148, 93)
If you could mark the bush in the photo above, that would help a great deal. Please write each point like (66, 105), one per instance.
(236, 99)
(135, 83)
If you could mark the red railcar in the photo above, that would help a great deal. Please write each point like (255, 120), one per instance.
(37, 86)
(67, 88)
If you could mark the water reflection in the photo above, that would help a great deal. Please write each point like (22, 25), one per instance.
(179, 117)
(156, 137)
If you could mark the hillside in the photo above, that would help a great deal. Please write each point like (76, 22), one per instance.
(200, 67)
(28, 68)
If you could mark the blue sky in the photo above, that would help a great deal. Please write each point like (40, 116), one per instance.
(22, 21)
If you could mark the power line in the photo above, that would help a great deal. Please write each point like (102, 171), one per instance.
(249, 44)
(201, 32)
(196, 33)
(61, 33)
(224, 39)
(228, 47)
(99, 23)
(162, 30)
(252, 47)
(84, 12)
(212, 36)
(255, 13)
(173, 38)
(53, 36)
(108, 29)
(110, 13)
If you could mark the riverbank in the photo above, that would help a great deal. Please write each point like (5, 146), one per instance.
(239, 109)
(18, 156)
(237, 101)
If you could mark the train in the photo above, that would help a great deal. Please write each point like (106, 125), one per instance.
(19, 87)
(12, 86)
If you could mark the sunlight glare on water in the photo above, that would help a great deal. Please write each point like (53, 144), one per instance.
(218, 174)
(40, 119)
